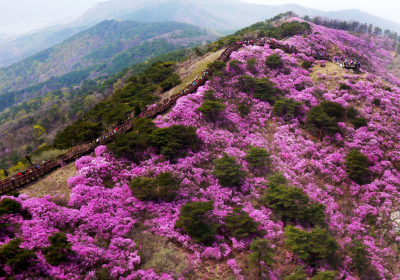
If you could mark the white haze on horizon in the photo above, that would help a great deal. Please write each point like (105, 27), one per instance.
(387, 9)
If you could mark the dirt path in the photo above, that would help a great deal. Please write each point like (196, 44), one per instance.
(53, 184)
(190, 69)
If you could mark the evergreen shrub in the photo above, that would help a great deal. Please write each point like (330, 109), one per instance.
(313, 247)
(359, 122)
(377, 102)
(357, 166)
(323, 119)
(228, 172)
(261, 252)
(274, 61)
(194, 219)
(257, 158)
(59, 249)
(17, 258)
(240, 224)
(292, 204)
(288, 108)
(306, 65)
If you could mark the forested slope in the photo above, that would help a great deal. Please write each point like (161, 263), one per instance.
(34, 123)
(105, 48)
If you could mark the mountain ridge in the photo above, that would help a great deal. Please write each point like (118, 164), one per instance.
(225, 16)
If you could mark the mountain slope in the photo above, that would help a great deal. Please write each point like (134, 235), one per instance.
(100, 48)
(281, 166)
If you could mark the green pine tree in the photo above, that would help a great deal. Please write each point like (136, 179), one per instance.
(59, 249)
(357, 166)
(194, 219)
(17, 258)
(261, 251)
(227, 170)
(240, 223)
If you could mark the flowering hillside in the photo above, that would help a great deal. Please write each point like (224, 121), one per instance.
(269, 171)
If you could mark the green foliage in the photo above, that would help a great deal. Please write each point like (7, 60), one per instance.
(324, 275)
(137, 111)
(292, 204)
(351, 112)
(311, 246)
(59, 249)
(129, 144)
(103, 274)
(278, 32)
(333, 109)
(344, 87)
(171, 82)
(306, 64)
(377, 102)
(137, 93)
(240, 223)
(359, 255)
(357, 166)
(274, 61)
(79, 132)
(168, 185)
(216, 65)
(227, 170)
(297, 275)
(288, 108)
(234, 66)
(143, 125)
(257, 158)
(17, 258)
(9, 206)
(209, 95)
(174, 141)
(144, 188)
(261, 251)
(243, 109)
(263, 88)
(164, 186)
(251, 65)
(359, 122)
(14, 194)
(195, 221)
(211, 109)
(323, 119)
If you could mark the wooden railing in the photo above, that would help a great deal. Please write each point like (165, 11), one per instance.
(42, 169)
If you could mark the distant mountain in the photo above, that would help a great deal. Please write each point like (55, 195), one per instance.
(213, 14)
(105, 48)
(16, 50)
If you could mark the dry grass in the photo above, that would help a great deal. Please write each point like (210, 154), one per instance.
(329, 69)
(54, 184)
(190, 69)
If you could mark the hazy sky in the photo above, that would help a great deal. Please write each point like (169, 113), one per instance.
(388, 9)
(19, 16)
